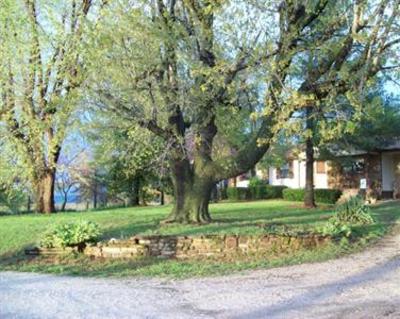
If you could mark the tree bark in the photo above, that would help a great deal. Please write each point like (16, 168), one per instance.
(309, 197)
(162, 198)
(28, 207)
(192, 195)
(45, 193)
(136, 191)
(95, 197)
(134, 196)
(64, 204)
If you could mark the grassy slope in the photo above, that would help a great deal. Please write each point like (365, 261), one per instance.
(17, 232)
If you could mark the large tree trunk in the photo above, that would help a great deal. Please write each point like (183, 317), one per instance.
(191, 205)
(309, 200)
(45, 193)
(192, 195)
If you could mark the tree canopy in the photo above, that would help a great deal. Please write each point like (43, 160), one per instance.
(179, 68)
(211, 83)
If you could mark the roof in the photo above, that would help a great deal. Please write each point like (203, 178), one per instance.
(395, 146)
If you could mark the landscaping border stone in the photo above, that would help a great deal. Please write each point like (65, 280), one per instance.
(49, 251)
(184, 247)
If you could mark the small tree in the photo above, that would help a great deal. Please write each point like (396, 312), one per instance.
(130, 158)
(66, 184)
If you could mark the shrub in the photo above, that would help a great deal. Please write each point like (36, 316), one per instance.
(352, 212)
(327, 196)
(293, 194)
(255, 192)
(12, 199)
(238, 193)
(71, 235)
(266, 192)
(335, 228)
(255, 182)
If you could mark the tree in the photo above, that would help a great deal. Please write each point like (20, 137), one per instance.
(309, 198)
(41, 72)
(14, 183)
(91, 187)
(374, 128)
(130, 158)
(175, 68)
(66, 184)
(380, 123)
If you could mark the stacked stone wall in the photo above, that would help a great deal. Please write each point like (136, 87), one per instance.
(183, 247)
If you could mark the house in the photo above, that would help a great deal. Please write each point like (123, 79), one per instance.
(293, 173)
(376, 171)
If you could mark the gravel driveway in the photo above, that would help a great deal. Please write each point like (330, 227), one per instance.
(364, 285)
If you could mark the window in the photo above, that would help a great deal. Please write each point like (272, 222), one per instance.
(354, 167)
(321, 167)
(285, 171)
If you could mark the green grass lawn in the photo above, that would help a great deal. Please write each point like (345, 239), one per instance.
(19, 232)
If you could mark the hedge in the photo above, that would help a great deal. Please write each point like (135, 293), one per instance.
(327, 196)
(256, 192)
(238, 193)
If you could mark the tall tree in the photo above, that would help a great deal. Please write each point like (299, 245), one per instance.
(41, 71)
(309, 198)
(374, 128)
(175, 68)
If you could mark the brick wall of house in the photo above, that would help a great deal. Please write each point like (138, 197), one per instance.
(339, 178)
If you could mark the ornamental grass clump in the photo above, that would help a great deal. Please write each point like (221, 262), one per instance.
(77, 234)
(353, 212)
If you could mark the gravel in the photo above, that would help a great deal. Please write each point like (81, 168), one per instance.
(363, 285)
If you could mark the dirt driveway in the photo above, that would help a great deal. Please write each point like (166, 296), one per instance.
(364, 285)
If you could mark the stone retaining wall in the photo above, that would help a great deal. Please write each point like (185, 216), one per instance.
(204, 246)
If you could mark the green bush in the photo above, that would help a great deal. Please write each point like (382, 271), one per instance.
(255, 182)
(335, 228)
(266, 192)
(354, 211)
(327, 196)
(293, 194)
(71, 235)
(238, 193)
(12, 199)
(255, 192)
(351, 213)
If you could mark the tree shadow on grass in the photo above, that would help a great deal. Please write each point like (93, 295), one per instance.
(241, 216)
(224, 225)
(129, 230)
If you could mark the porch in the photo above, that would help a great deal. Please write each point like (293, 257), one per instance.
(391, 174)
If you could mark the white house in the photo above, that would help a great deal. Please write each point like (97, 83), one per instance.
(293, 174)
